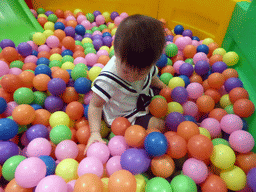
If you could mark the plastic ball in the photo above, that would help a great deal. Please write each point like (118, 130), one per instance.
(190, 108)
(175, 107)
(244, 108)
(183, 183)
(117, 145)
(200, 56)
(176, 82)
(251, 179)
(82, 85)
(173, 120)
(214, 183)
(195, 90)
(171, 50)
(230, 58)
(60, 133)
(187, 129)
(158, 107)
(52, 182)
(113, 165)
(203, 48)
(88, 182)
(53, 104)
(162, 166)
(241, 141)
(24, 49)
(7, 149)
(90, 165)
(37, 131)
(188, 33)
(100, 151)
(178, 29)
(23, 114)
(162, 61)
(59, 25)
(232, 83)
(67, 165)
(219, 67)
(186, 69)
(202, 67)
(50, 164)
(23, 96)
(8, 129)
(39, 38)
(155, 144)
(205, 104)
(38, 147)
(7, 43)
(230, 123)
(181, 43)
(66, 149)
(212, 125)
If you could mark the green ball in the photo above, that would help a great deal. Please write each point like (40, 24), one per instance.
(40, 11)
(112, 53)
(30, 71)
(53, 18)
(88, 31)
(10, 165)
(157, 184)
(229, 109)
(55, 63)
(17, 64)
(169, 61)
(88, 45)
(67, 58)
(183, 183)
(190, 61)
(90, 17)
(39, 98)
(79, 43)
(60, 133)
(101, 27)
(165, 78)
(158, 96)
(81, 65)
(89, 50)
(78, 72)
(111, 135)
(218, 141)
(171, 50)
(23, 95)
(95, 29)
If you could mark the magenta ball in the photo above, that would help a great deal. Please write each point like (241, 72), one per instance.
(39, 146)
(230, 123)
(81, 18)
(66, 149)
(188, 39)
(190, 108)
(99, 65)
(100, 19)
(4, 68)
(96, 33)
(15, 71)
(86, 24)
(91, 59)
(195, 90)
(195, 43)
(43, 48)
(53, 41)
(52, 183)
(117, 145)
(241, 141)
(71, 185)
(177, 65)
(31, 59)
(124, 15)
(33, 45)
(93, 24)
(113, 165)
(99, 150)
(118, 20)
(195, 169)
(212, 125)
(70, 17)
(90, 165)
(102, 52)
(181, 43)
(200, 56)
(80, 60)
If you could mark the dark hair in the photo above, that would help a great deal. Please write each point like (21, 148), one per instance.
(139, 41)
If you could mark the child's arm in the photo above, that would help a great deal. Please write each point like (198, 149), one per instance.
(156, 82)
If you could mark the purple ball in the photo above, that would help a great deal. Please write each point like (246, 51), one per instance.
(53, 104)
(251, 179)
(147, 159)
(78, 38)
(97, 36)
(24, 49)
(188, 33)
(47, 13)
(232, 83)
(219, 67)
(202, 67)
(169, 38)
(56, 86)
(97, 44)
(179, 94)
(107, 41)
(113, 15)
(173, 120)
(186, 69)
(7, 150)
(96, 13)
(88, 35)
(7, 43)
(37, 131)
(70, 31)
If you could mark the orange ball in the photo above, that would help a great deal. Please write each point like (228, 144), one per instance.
(246, 161)
(215, 58)
(88, 182)
(62, 20)
(59, 13)
(103, 59)
(119, 125)
(55, 50)
(60, 34)
(53, 69)
(81, 122)
(70, 95)
(166, 93)
(214, 183)
(176, 37)
(45, 54)
(216, 80)
(27, 78)
(42, 21)
(106, 30)
(10, 82)
(24, 114)
(40, 82)
(238, 93)
(68, 13)
(168, 69)
(213, 93)
(80, 156)
(122, 181)
(158, 107)
(7, 96)
(83, 134)
(29, 66)
(72, 23)
(73, 136)
(62, 74)
(177, 146)
(189, 51)
(176, 58)
(135, 136)
(162, 166)
(79, 48)
(195, 78)
(75, 110)
(243, 108)
(10, 54)
(205, 104)
(217, 113)
(12, 186)
(206, 85)
(228, 73)
(187, 129)
(200, 147)
(42, 116)
(69, 43)
(212, 47)
(78, 54)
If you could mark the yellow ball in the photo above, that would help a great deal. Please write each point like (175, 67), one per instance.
(141, 183)
(230, 58)
(175, 107)
(104, 130)
(225, 101)
(107, 16)
(59, 118)
(42, 15)
(68, 65)
(113, 31)
(55, 56)
(207, 41)
(235, 178)
(204, 132)
(219, 51)
(86, 40)
(94, 72)
(48, 33)
(176, 82)
(49, 26)
(173, 32)
(111, 26)
(105, 184)
(104, 48)
(67, 169)
(223, 156)
(39, 38)
(77, 11)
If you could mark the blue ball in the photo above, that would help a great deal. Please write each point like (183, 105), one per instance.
(66, 52)
(43, 60)
(82, 85)
(8, 129)
(43, 69)
(36, 106)
(3, 105)
(50, 164)
(162, 61)
(86, 107)
(245, 125)
(195, 38)
(106, 34)
(189, 118)
(178, 29)
(80, 30)
(202, 48)
(59, 25)
(185, 79)
(155, 144)
(34, 52)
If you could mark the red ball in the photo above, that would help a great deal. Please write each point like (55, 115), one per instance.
(158, 107)
(243, 108)
(119, 125)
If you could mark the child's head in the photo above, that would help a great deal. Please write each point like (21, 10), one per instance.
(139, 42)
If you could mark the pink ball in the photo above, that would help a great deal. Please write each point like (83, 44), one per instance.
(53, 41)
(63, 48)
(10, 107)
(30, 172)
(39, 146)
(113, 165)
(241, 141)
(15, 71)
(230, 123)
(34, 12)
(117, 145)
(4, 68)
(43, 48)
(188, 40)
(80, 60)
(93, 24)
(31, 59)
(195, 43)
(195, 169)
(195, 90)
(102, 52)
(200, 56)
(118, 20)
(99, 65)
(70, 17)
(52, 183)
(100, 19)
(24, 140)
(66, 149)
(91, 59)
(86, 24)
(90, 165)
(212, 125)
(71, 185)
(181, 43)
(177, 65)
(96, 33)
(33, 45)
(124, 15)
(190, 108)
(81, 18)
(87, 97)
(100, 151)
(180, 53)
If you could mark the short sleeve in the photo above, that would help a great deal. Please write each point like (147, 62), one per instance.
(104, 89)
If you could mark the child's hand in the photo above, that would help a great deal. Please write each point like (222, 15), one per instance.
(95, 137)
